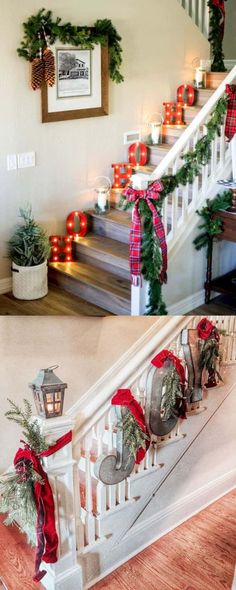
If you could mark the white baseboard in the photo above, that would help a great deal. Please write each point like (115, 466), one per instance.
(187, 304)
(5, 285)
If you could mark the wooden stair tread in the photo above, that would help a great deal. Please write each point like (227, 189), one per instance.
(114, 216)
(104, 245)
(98, 278)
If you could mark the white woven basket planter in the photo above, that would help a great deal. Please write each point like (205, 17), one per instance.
(30, 282)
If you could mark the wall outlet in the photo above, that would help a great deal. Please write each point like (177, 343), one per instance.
(26, 160)
(11, 162)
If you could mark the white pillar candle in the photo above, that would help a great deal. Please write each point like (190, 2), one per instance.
(102, 198)
(155, 132)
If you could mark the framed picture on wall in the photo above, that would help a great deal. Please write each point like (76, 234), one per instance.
(81, 88)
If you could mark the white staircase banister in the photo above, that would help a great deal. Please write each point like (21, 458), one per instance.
(92, 406)
(197, 122)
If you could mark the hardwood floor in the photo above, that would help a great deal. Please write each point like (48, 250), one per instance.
(221, 305)
(16, 560)
(57, 302)
(198, 555)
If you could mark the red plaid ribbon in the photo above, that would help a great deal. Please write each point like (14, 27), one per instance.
(149, 195)
(230, 126)
(221, 5)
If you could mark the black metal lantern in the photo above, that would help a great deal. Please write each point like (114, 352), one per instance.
(48, 391)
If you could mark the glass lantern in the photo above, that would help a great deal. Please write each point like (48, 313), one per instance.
(199, 75)
(102, 189)
(48, 391)
(154, 129)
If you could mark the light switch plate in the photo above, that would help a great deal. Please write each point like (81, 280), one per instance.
(11, 162)
(26, 160)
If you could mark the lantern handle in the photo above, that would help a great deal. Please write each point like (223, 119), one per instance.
(52, 368)
(104, 177)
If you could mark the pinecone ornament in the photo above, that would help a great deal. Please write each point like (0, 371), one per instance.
(37, 73)
(49, 67)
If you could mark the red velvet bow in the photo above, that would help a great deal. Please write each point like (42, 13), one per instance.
(149, 195)
(47, 539)
(207, 330)
(124, 397)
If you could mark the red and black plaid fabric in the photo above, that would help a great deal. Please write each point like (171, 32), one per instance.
(230, 126)
(152, 193)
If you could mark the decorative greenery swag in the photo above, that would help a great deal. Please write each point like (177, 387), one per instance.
(192, 165)
(41, 30)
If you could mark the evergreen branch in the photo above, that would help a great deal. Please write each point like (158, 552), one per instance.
(31, 428)
(41, 28)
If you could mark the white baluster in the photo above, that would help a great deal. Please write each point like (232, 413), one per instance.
(101, 488)
(89, 517)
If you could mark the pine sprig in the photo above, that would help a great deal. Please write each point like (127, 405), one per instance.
(40, 28)
(30, 428)
(209, 356)
(172, 391)
(133, 436)
(18, 501)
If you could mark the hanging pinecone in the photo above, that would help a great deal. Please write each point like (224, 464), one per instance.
(37, 73)
(49, 64)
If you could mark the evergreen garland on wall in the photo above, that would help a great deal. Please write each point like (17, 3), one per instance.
(41, 30)
(193, 162)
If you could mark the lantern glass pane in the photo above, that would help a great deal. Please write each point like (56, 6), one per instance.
(49, 397)
(57, 396)
(57, 408)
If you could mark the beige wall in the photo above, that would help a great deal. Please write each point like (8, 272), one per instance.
(230, 30)
(84, 348)
(159, 43)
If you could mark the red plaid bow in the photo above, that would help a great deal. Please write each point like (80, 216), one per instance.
(230, 126)
(152, 193)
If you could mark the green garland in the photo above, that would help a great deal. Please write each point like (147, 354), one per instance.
(211, 225)
(133, 436)
(215, 38)
(173, 391)
(17, 487)
(209, 356)
(41, 27)
(193, 162)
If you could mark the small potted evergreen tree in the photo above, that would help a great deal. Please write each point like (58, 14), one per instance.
(28, 250)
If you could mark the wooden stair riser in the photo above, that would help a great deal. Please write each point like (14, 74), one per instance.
(102, 226)
(214, 79)
(114, 265)
(104, 299)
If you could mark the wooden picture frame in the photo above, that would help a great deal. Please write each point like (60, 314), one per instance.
(50, 97)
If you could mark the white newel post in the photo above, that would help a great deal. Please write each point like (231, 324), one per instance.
(139, 294)
(233, 148)
(66, 573)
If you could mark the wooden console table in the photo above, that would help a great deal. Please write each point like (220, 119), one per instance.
(225, 283)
